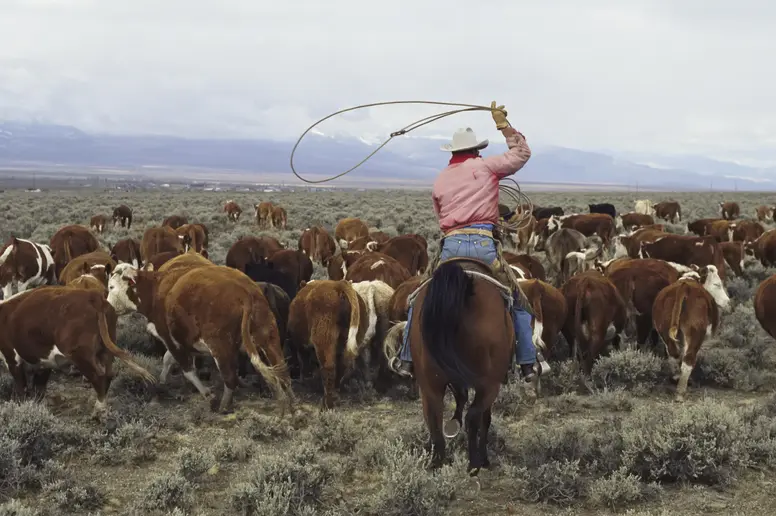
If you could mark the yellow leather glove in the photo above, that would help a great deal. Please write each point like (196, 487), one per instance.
(499, 116)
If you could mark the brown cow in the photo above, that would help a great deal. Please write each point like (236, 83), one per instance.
(94, 259)
(408, 250)
(729, 210)
(251, 249)
(262, 212)
(525, 238)
(668, 210)
(69, 242)
(765, 305)
(398, 309)
(685, 314)
(294, 263)
(549, 311)
(763, 248)
(764, 213)
(331, 317)
(361, 243)
(51, 325)
(98, 223)
(686, 250)
(204, 229)
(91, 278)
(175, 221)
(159, 259)
(593, 306)
(185, 260)
(721, 230)
(630, 245)
(122, 215)
(701, 226)
(733, 253)
(588, 224)
(747, 230)
(232, 210)
(378, 266)
(349, 229)
(379, 237)
(632, 221)
(529, 267)
(25, 265)
(338, 265)
(159, 240)
(279, 217)
(316, 243)
(192, 237)
(127, 251)
(213, 310)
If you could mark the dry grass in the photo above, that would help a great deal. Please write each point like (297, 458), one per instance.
(626, 447)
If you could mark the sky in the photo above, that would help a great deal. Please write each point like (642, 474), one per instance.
(654, 76)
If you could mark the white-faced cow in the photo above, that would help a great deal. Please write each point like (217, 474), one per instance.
(25, 265)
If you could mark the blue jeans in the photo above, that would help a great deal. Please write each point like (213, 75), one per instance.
(484, 249)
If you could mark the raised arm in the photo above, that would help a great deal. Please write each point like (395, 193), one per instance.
(514, 159)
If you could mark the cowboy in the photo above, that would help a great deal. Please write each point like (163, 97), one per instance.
(465, 196)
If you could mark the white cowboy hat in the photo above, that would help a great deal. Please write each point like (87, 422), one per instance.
(464, 139)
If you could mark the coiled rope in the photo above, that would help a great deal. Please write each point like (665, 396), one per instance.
(522, 201)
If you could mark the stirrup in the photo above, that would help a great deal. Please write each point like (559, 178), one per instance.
(394, 365)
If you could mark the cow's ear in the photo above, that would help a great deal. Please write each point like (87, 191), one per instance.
(149, 267)
(108, 269)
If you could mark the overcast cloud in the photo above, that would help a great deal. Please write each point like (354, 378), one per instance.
(691, 76)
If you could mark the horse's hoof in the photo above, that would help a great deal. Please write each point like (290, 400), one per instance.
(451, 428)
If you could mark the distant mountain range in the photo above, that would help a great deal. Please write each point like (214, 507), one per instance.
(406, 160)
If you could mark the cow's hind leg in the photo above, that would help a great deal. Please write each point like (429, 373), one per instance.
(40, 380)
(226, 358)
(183, 334)
(324, 338)
(692, 343)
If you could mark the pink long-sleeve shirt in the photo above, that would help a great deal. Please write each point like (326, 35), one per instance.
(466, 193)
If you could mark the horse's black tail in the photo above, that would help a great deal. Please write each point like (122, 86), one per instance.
(443, 309)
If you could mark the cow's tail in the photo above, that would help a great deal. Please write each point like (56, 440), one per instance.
(676, 313)
(273, 375)
(580, 337)
(67, 250)
(351, 346)
(120, 353)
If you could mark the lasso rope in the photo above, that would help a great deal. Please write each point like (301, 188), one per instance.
(520, 199)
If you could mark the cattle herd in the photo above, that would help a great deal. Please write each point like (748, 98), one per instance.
(591, 277)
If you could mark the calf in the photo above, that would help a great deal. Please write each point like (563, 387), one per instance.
(668, 210)
(684, 314)
(721, 230)
(546, 213)
(192, 236)
(122, 215)
(25, 265)
(701, 226)
(686, 250)
(349, 229)
(380, 237)
(160, 240)
(763, 248)
(338, 265)
(69, 242)
(733, 253)
(279, 217)
(316, 243)
(263, 213)
(408, 250)
(398, 304)
(175, 221)
(525, 238)
(46, 325)
(604, 208)
(644, 207)
(557, 248)
(630, 245)
(729, 210)
(632, 221)
(593, 306)
(764, 213)
(266, 272)
(597, 224)
(213, 310)
(91, 260)
(251, 249)
(765, 305)
(159, 259)
(127, 251)
(377, 266)
(98, 223)
(746, 231)
(530, 267)
(328, 316)
(549, 311)
(232, 210)
(376, 296)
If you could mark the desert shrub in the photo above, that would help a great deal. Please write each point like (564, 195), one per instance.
(16, 508)
(559, 482)
(564, 378)
(128, 443)
(131, 334)
(69, 497)
(285, 484)
(333, 431)
(40, 435)
(129, 385)
(233, 449)
(620, 489)
(192, 464)
(263, 428)
(627, 368)
(166, 492)
(618, 400)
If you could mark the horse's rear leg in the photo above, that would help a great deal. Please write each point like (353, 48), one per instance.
(486, 417)
(461, 395)
(477, 428)
(433, 402)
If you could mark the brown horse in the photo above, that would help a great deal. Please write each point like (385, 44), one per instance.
(464, 339)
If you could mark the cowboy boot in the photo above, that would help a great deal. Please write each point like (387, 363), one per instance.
(401, 367)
